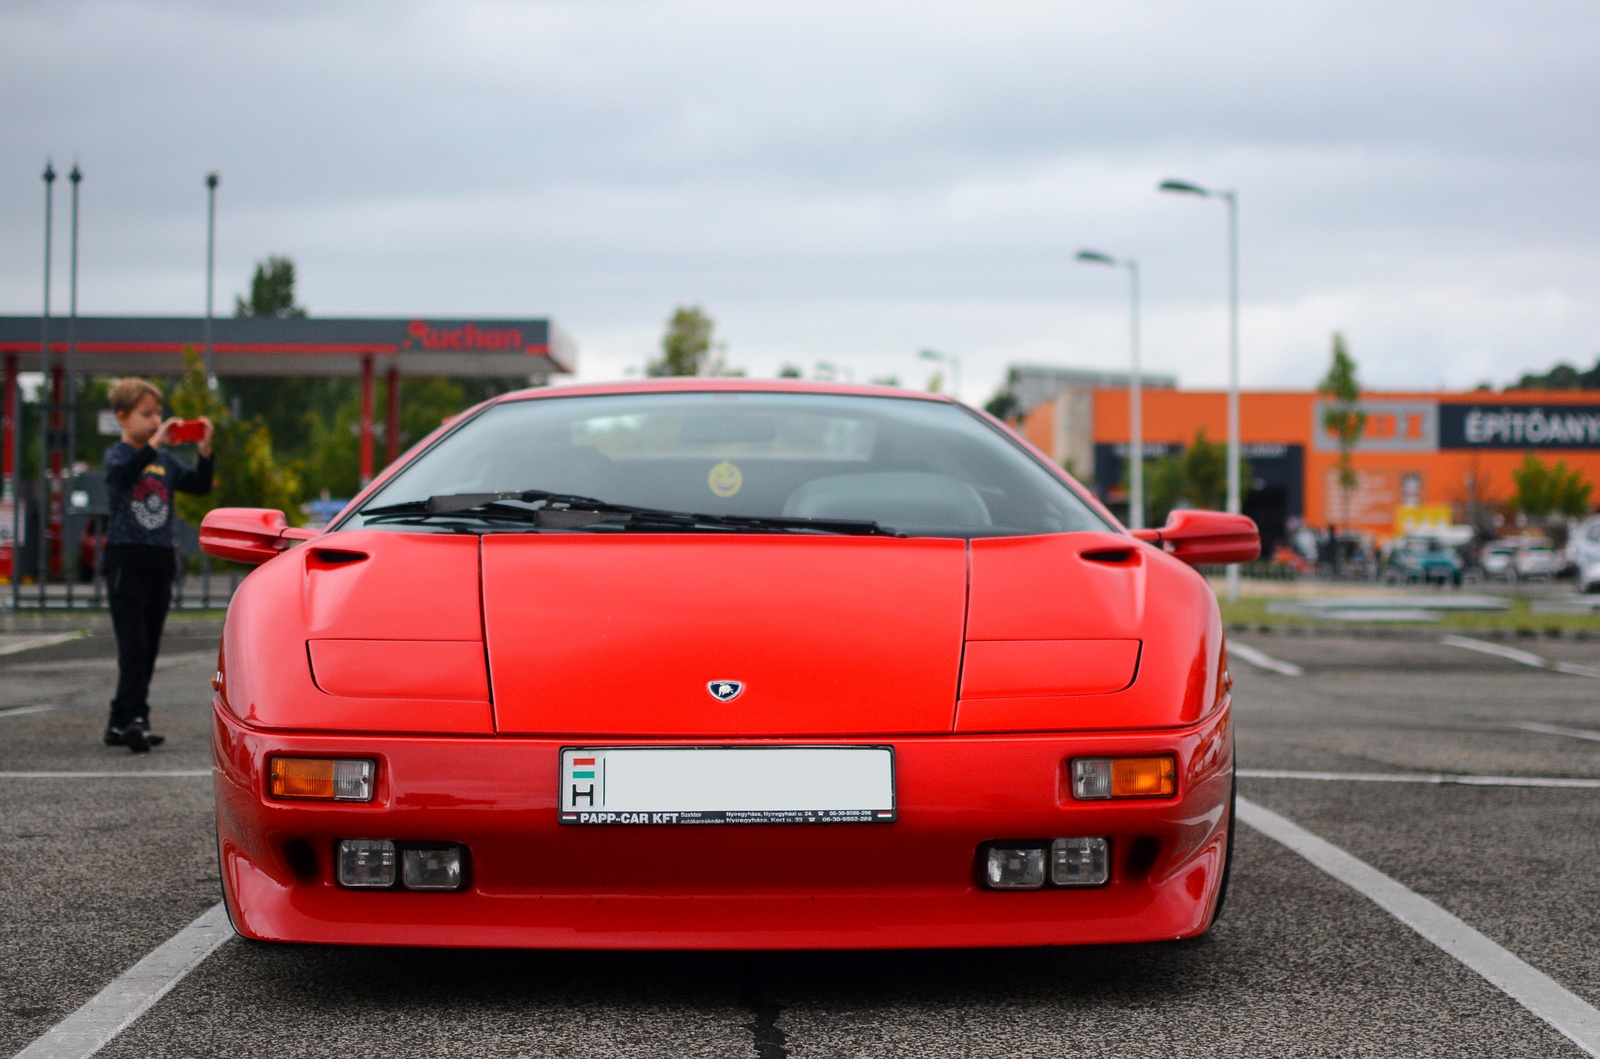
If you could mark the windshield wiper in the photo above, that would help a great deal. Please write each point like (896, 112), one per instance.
(571, 511)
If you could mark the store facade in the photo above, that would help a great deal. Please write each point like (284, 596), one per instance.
(1423, 458)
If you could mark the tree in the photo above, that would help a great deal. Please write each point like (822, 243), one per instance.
(1344, 418)
(789, 371)
(1563, 376)
(283, 404)
(686, 347)
(1004, 406)
(271, 291)
(1197, 477)
(247, 474)
(333, 456)
(1543, 490)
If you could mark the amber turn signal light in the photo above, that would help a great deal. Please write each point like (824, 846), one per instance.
(330, 779)
(1143, 777)
(1094, 778)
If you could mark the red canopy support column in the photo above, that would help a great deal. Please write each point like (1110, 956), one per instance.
(58, 395)
(10, 423)
(55, 535)
(392, 432)
(8, 464)
(366, 419)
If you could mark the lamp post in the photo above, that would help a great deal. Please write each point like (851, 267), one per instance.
(211, 268)
(950, 359)
(1184, 187)
(1135, 389)
(42, 498)
(70, 554)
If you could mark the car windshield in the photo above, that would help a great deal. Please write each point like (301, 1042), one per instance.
(904, 465)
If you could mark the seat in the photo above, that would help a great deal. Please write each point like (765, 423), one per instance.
(900, 499)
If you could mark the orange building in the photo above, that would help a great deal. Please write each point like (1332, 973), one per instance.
(1425, 457)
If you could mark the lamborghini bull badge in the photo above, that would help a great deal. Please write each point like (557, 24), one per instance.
(725, 690)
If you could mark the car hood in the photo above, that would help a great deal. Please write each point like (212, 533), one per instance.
(823, 635)
(623, 636)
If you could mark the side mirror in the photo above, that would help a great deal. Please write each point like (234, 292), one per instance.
(1206, 538)
(248, 534)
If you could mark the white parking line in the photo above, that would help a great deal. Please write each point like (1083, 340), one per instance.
(114, 1008)
(1533, 989)
(18, 711)
(1421, 777)
(1264, 661)
(1553, 729)
(1516, 654)
(100, 775)
(28, 643)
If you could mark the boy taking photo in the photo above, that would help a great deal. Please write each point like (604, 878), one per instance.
(140, 561)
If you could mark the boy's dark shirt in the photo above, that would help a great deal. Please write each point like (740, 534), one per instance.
(141, 483)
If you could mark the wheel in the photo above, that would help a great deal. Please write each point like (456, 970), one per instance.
(1227, 860)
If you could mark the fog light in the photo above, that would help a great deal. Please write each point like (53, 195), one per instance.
(343, 780)
(1080, 861)
(1010, 868)
(1094, 778)
(431, 869)
(366, 863)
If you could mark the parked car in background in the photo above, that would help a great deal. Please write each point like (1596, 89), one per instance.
(1536, 560)
(1498, 559)
(1420, 558)
(1585, 541)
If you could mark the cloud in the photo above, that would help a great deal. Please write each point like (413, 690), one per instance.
(843, 182)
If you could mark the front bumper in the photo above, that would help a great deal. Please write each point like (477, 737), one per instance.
(537, 884)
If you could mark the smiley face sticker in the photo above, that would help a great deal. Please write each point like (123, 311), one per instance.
(725, 479)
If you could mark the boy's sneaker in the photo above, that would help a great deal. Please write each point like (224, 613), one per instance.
(113, 736)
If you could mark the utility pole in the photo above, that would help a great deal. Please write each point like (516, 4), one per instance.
(1135, 387)
(70, 553)
(1184, 187)
(42, 493)
(212, 180)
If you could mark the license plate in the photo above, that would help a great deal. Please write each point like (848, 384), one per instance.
(727, 785)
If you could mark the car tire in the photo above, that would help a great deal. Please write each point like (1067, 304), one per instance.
(1227, 859)
(238, 934)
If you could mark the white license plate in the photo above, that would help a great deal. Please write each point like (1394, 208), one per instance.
(727, 785)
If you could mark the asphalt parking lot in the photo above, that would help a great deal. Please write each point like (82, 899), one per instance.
(98, 870)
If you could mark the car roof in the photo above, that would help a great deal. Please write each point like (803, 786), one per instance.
(721, 384)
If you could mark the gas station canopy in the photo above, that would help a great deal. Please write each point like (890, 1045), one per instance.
(273, 346)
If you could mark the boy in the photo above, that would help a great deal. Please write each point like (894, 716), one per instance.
(141, 476)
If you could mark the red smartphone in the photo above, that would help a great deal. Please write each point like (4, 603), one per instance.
(186, 430)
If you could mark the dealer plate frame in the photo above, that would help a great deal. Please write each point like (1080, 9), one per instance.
(601, 815)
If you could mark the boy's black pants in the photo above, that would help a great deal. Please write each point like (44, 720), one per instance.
(139, 587)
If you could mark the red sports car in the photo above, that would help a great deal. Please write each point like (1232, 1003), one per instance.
(720, 663)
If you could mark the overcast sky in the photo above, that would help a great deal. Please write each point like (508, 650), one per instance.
(845, 182)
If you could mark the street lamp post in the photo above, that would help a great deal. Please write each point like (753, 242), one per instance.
(42, 497)
(955, 367)
(70, 554)
(211, 267)
(1183, 187)
(1135, 389)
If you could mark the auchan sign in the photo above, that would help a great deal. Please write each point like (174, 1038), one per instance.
(420, 334)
